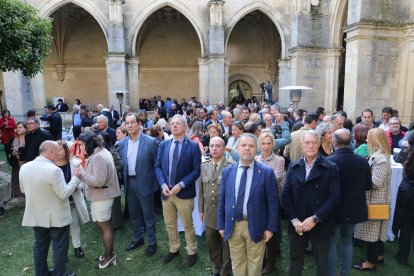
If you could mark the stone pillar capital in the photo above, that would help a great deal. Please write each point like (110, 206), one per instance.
(134, 60)
(115, 11)
(216, 12)
(202, 61)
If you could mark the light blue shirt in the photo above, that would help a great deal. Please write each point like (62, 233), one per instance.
(248, 184)
(132, 155)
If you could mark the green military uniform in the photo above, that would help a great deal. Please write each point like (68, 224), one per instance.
(207, 204)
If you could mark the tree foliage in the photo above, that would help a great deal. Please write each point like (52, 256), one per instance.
(25, 38)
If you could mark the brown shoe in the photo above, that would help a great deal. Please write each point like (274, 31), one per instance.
(170, 256)
(191, 260)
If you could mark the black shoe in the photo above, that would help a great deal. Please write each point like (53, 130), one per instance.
(134, 244)
(360, 267)
(170, 256)
(191, 260)
(400, 260)
(151, 250)
(1, 211)
(50, 272)
(79, 252)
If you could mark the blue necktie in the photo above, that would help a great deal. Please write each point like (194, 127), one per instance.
(174, 164)
(238, 212)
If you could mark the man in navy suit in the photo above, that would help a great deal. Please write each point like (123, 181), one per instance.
(248, 208)
(355, 176)
(177, 168)
(102, 125)
(139, 154)
(310, 196)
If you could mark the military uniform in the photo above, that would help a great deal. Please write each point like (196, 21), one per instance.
(207, 204)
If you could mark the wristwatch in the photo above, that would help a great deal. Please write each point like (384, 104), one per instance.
(315, 219)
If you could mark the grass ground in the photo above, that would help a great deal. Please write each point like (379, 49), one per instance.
(16, 253)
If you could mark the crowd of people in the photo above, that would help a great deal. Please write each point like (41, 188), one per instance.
(255, 166)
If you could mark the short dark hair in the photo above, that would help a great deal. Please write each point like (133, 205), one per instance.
(51, 106)
(106, 138)
(367, 110)
(319, 110)
(387, 109)
(91, 141)
(299, 112)
(4, 112)
(310, 117)
(250, 127)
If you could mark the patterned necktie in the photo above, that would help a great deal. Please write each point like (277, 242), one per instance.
(238, 212)
(174, 163)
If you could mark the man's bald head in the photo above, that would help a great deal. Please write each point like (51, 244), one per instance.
(217, 148)
(48, 149)
(218, 140)
(341, 138)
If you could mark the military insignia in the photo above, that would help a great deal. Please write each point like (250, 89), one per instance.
(205, 171)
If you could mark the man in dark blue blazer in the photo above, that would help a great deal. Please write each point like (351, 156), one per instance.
(355, 176)
(102, 125)
(310, 197)
(248, 208)
(177, 168)
(139, 154)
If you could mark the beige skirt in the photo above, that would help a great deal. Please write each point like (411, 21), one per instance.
(101, 210)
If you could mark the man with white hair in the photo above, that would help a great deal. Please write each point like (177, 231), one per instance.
(226, 121)
(101, 125)
(310, 196)
(338, 121)
(106, 112)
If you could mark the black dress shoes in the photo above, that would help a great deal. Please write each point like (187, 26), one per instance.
(151, 250)
(134, 244)
(170, 256)
(191, 260)
(79, 252)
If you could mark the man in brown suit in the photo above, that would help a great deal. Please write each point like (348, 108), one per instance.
(207, 206)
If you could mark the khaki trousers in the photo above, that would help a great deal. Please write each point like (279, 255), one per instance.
(171, 207)
(218, 250)
(246, 255)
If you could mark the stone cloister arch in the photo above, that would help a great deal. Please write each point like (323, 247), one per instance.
(76, 65)
(167, 48)
(253, 49)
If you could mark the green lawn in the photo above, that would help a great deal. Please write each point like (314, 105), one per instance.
(16, 249)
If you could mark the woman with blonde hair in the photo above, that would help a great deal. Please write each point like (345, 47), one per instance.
(374, 232)
(266, 143)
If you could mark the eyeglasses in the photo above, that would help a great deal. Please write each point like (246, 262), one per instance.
(31, 123)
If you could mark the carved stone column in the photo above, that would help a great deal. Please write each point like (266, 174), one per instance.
(19, 94)
(203, 78)
(284, 80)
(332, 77)
(133, 78)
(116, 59)
(216, 58)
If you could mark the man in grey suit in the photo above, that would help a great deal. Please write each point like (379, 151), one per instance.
(47, 208)
(138, 152)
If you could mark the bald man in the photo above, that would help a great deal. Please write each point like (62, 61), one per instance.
(208, 203)
(47, 207)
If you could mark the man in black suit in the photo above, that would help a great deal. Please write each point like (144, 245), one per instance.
(61, 106)
(55, 122)
(34, 138)
(310, 196)
(355, 176)
(115, 115)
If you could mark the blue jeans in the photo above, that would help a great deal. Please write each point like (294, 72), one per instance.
(345, 233)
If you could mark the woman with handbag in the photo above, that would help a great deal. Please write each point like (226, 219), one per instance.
(404, 210)
(78, 208)
(7, 125)
(374, 231)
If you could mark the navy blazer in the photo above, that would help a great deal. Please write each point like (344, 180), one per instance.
(188, 167)
(145, 179)
(318, 195)
(262, 205)
(355, 177)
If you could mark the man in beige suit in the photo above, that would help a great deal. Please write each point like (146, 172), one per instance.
(207, 206)
(47, 208)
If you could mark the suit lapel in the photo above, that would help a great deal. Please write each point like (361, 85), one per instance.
(140, 150)
(219, 169)
(167, 156)
(257, 174)
(232, 182)
(183, 148)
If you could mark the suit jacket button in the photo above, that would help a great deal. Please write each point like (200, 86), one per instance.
(212, 192)
(316, 186)
(232, 206)
(232, 218)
